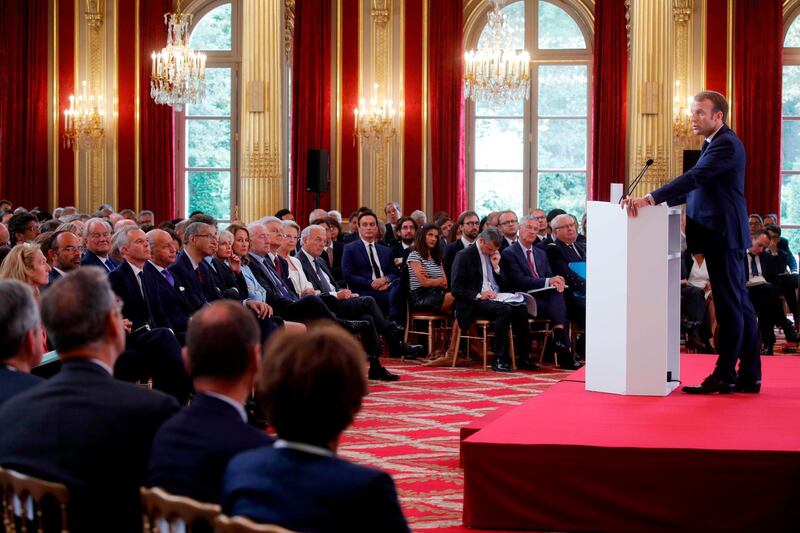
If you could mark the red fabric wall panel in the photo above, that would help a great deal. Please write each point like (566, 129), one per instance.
(126, 81)
(717, 46)
(66, 87)
(413, 94)
(348, 186)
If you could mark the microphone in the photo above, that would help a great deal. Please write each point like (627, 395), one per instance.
(636, 181)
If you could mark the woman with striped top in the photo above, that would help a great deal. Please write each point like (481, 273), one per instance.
(427, 280)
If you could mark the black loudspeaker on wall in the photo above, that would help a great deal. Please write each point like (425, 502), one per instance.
(690, 158)
(317, 171)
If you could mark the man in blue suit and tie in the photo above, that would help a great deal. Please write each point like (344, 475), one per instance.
(191, 450)
(97, 236)
(717, 225)
(21, 347)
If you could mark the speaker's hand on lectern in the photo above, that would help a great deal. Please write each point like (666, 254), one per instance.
(634, 204)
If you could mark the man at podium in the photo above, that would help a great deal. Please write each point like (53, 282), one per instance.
(717, 226)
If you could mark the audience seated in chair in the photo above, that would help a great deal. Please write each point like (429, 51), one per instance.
(21, 347)
(508, 225)
(191, 450)
(97, 235)
(468, 222)
(427, 283)
(697, 304)
(310, 388)
(82, 427)
(566, 249)
(401, 247)
(63, 254)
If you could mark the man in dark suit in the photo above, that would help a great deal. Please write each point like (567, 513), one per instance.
(191, 450)
(527, 268)
(310, 388)
(477, 279)
(508, 225)
(176, 308)
(82, 427)
(348, 305)
(401, 247)
(97, 237)
(369, 268)
(566, 249)
(64, 254)
(21, 346)
(543, 237)
(393, 216)
(717, 225)
(468, 222)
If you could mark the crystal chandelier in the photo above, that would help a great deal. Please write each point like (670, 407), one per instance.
(179, 73)
(374, 125)
(500, 73)
(682, 132)
(83, 122)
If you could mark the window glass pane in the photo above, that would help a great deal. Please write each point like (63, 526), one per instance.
(793, 236)
(217, 102)
(562, 90)
(498, 143)
(557, 29)
(790, 205)
(495, 191)
(512, 108)
(213, 31)
(208, 143)
(793, 35)
(791, 90)
(791, 145)
(562, 143)
(513, 30)
(563, 190)
(210, 192)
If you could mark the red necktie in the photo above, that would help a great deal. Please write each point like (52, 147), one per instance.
(531, 264)
(278, 266)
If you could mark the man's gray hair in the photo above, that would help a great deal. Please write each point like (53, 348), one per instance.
(267, 219)
(84, 293)
(122, 237)
(308, 229)
(87, 228)
(557, 221)
(18, 315)
(146, 212)
(528, 218)
(193, 229)
(395, 204)
(418, 214)
(291, 224)
(105, 206)
(335, 214)
(492, 235)
(253, 225)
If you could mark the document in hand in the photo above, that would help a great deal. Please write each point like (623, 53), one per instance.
(517, 298)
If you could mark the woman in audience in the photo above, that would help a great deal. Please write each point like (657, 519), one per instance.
(311, 386)
(228, 266)
(26, 263)
(698, 277)
(291, 232)
(426, 277)
(239, 248)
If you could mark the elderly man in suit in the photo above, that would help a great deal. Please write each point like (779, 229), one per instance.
(97, 237)
(82, 427)
(469, 223)
(64, 254)
(716, 225)
(21, 346)
(163, 253)
(543, 237)
(566, 249)
(527, 269)
(477, 279)
(349, 305)
(191, 450)
(369, 268)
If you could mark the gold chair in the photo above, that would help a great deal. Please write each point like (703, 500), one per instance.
(240, 524)
(483, 325)
(160, 508)
(431, 318)
(25, 502)
(541, 326)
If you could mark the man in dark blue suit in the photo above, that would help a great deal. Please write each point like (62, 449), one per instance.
(527, 268)
(368, 266)
(310, 388)
(97, 236)
(64, 254)
(469, 223)
(82, 427)
(717, 225)
(163, 252)
(191, 450)
(21, 346)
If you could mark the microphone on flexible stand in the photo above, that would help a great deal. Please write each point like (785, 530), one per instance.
(636, 181)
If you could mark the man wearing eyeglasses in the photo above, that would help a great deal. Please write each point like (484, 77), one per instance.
(509, 227)
(566, 249)
(64, 254)
(469, 223)
(543, 237)
(97, 235)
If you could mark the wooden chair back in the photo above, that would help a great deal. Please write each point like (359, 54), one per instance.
(163, 512)
(32, 504)
(240, 524)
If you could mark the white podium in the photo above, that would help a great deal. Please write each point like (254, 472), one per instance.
(633, 300)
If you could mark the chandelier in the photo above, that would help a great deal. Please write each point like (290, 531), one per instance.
(179, 73)
(682, 131)
(83, 122)
(500, 73)
(374, 125)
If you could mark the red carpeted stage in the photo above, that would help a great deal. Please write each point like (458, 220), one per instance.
(572, 460)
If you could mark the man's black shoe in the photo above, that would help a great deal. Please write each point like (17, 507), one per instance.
(748, 385)
(710, 385)
(695, 342)
(527, 364)
(411, 351)
(499, 365)
(570, 365)
(378, 372)
(353, 326)
(768, 349)
(395, 328)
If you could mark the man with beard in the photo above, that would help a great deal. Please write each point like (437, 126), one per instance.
(469, 223)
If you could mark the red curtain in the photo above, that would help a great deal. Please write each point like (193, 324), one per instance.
(758, 26)
(23, 104)
(610, 103)
(311, 90)
(446, 105)
(157, 144)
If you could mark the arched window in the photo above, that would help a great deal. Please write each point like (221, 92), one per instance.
(206, 155)
(536, 152)
(790, 162)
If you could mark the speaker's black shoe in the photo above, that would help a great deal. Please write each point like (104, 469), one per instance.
(353, 326)
(378, 372)
(791, 334)
(751, 386)
(768, 349)
(711, 385)
(527, 364)
(499, 365)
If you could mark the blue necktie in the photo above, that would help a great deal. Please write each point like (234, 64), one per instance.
(326, 287)
(753, 266)
(168, 275)
(490, 273)
(277, 282)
